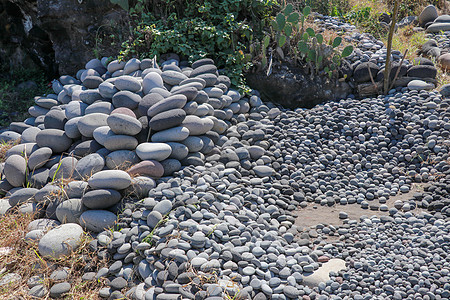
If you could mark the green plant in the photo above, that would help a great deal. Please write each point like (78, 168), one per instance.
(305, 45)
(222, 30)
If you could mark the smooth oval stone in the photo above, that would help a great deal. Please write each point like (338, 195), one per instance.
(36, 111)
(202, 62)
(75, 109)
(179, 151)
(167, 119)
(5, 186)
(61, 241)
(55, 139)
(120, 142)
(85, 148)
(263, 171)
(75, 189)
(89, 165)
(110, 179)
(107, 90)
(39, 158)
(102, 107)
(121, 159)
(152, 80)
(172, 102)
(88, 72)
(9, 136)
(132, 65)
(69, 211)
(194, 143)
(55, 118)
(22, 196)
(124, 111)
(124, 124)
(101, 198)
(95, 64)
(140, 186)
(148, 101)
(154, 218)
(115, 65)
(204, 69)
(29, 135)
(162, 91)
(202, 110)
(22, 149)
(202, 97)
(97, 220)
(19, 127)
(173, 77)
(38, 178)
(92, 82)
(193, 80)
(90, 96)
(175, 134)
(209, 78)
(170, 166)
(88, 123)
(126, 99)
(188, 91)
(64, 169)
(64, 98)
(150, 168)
(100, 134)
(196, 125)
(153, 151)
(213, 92)
(128, 83)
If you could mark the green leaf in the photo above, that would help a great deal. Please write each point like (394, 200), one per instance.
(306, 11)
(281, 40)
(337, 41)
(289, 8)
(312, 55)
(266, 41)
(274, 25)
(319, 38)
(288, 30)
(310, 32)
(122, 3)
(281, 21)
(305, 37)
(302, 47)
(264, 62)
(347, 51)
(319, 59)
(293, 18)
(326, 69)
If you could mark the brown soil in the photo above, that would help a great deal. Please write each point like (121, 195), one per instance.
(315, 214)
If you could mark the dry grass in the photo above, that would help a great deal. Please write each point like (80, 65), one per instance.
(21, 257)
(4, 147)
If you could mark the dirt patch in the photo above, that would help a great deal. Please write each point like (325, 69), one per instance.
(315, 214)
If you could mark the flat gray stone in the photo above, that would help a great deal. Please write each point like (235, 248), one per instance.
(155, 151)
(124, 124)
(110, 179)
(175, 134)
(120, 142)
(89, 165)
(121, 159)
(101, 198)
(97, 220)
(70, 210)
(15, 169)
(88, 123)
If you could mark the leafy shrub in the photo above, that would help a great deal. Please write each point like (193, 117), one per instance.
(196, 29)
(326, 7)
(304, 45)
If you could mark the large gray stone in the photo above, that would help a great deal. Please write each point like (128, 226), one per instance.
(61, 241)
(167, 119)
(102, 107)
(176, 134)
(100, 134)
(75, 109)
(101, 198)
(179, 151)
(196, 125)
(88, 123)
(29, 135)
(121, 159)
(120, 142)
(124, 124)
(97, 220)
(22, 196)
(55, 139)
(127, 83)
(152, 80)
(110, 179)
(428, 14)
(126, 99)
(172, 102)
(69, 211)
(71, 128)
(89, 165)
(15, 169)
(156, 151)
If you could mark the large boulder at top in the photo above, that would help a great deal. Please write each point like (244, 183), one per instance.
(292, 87)
(428, 14)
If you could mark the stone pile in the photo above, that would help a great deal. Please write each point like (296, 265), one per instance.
(109, 124)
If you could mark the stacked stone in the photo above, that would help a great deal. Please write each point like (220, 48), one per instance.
(130, 118)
